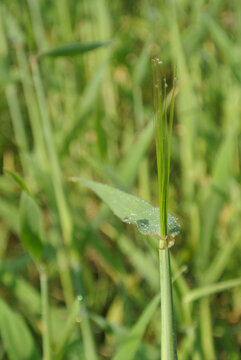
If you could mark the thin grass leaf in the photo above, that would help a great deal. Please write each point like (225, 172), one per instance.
(220, 262)
(31, 224)
(63, 209)
(137, 258)
(37, 23)
(130, 346)
(206, 329)
(72, 49)
(142, 64)
(46, 333)
(70, 322)
(20, 181)
(211, 289)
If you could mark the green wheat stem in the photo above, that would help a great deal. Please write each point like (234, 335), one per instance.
(163, 132)
(45, 312)
(168, 336)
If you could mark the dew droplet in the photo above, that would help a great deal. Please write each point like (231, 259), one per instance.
(79, 297)
(126, 220)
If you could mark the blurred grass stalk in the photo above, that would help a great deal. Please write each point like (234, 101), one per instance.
(163, 151)
(58, 186)
(45, 312)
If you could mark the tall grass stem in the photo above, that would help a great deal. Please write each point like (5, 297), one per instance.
(45, 312)
(62, 205)
(163, 125)
(168, 336)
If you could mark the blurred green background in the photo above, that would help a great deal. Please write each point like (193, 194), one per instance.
(91, 115)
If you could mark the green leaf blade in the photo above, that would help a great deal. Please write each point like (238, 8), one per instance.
(20, 181)
(16, 337)
(130, 346)
(131, 209)
(31, 226)
(72, 49)
(208, 290)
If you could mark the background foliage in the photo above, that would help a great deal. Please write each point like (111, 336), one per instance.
(89, 114)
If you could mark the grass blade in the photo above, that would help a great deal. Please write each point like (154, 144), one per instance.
(196, 294)
(206, 330)
(70, 322)
(46, 336)
(31, 226)
(129, 347)
(16, 336)
(20, 181)
(72, 49)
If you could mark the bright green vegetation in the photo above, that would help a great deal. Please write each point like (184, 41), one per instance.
(76, 101)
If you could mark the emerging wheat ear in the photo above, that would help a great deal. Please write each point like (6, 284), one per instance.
(164, 124)
(163, 139)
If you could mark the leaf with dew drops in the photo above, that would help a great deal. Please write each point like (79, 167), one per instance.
(131, 209)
